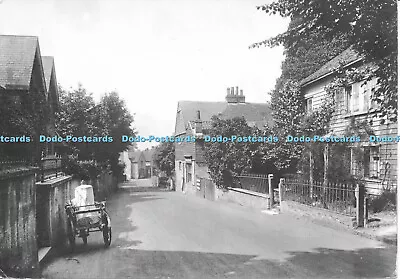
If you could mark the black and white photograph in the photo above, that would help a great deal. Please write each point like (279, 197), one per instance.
(199, 139)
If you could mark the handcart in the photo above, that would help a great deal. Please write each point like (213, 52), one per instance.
(86, 216)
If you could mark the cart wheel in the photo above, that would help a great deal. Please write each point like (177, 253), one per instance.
(107, 236)
(71, 235)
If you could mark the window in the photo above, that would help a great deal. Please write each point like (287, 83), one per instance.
(358, 96)
(371, 159)
(366, 162)
(188, 172)
(309, 106)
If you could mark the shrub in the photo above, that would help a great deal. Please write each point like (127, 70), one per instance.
(383, 202)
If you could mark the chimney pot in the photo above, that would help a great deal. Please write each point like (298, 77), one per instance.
(198, 115)
(241, 92)
(232, 90)
(228, 91)
(237, 90)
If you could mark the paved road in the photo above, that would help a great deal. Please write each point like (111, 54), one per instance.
(158, 234)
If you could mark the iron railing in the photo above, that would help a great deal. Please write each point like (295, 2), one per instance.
(12, 164)
(49, 167)
(253, 182)
(337, 197)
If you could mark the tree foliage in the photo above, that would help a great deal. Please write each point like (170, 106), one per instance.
(370, 26)
(287, 110)
(114, 118)
(79, 115)
(164, 158)
(227, 160)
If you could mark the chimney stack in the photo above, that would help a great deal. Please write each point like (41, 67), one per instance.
(234, 95)
(198, 125)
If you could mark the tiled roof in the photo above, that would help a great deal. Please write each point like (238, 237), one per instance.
(48, 64)
(134, 155)
(17, 54)
(148, 154)
(348, 56)
(254, 113)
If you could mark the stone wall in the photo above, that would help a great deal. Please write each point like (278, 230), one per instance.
(52, 195)
(18, 245)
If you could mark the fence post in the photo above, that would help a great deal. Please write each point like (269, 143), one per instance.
(365, 210)
(360, 205)
(270, 190)
(281, 181)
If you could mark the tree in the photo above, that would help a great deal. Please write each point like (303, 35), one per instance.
(227, 160)
(80, 116)
(164, 158)
(116, 120)
(370, 26)
(287, 111)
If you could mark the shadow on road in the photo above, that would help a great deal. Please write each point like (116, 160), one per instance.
(322, 263)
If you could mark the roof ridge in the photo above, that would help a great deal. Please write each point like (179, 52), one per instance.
(24, 36)
(327, 69)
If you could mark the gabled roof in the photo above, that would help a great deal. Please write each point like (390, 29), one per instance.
(17, 54)
(346, 58)
(148, 154)
(255, 113)
(49, 75)
(48, 66)
(134, 156)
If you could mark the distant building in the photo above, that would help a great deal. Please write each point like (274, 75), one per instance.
(142, 163)
(193, 118)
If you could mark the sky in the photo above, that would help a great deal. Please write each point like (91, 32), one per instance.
(153, 53)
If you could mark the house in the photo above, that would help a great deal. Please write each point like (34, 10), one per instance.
(134, 158)
(52, 98)
(28, 102)
(124, 157)
(28, 81)
(377, 163)
(193, 118)
(142, 163)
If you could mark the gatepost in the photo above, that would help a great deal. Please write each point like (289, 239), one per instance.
(270, 191)
(360, 193)
(281, 181)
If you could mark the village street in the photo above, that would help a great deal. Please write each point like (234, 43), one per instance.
(161, 234)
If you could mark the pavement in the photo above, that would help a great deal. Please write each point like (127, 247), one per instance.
(162, 234)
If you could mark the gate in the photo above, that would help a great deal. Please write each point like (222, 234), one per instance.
(205, 188)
